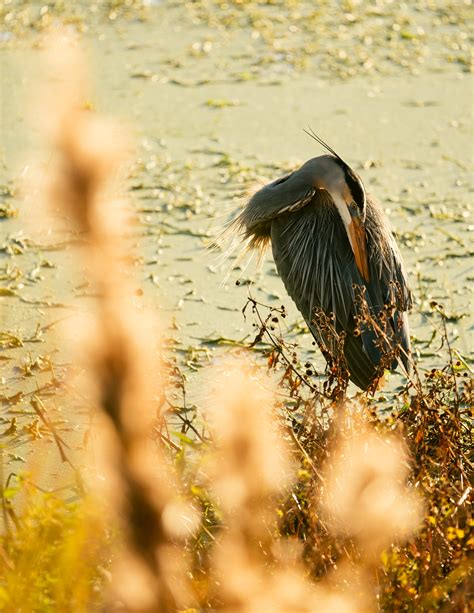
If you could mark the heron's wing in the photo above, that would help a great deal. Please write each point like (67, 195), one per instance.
(317, 265)
(388, 288)
(285, 195)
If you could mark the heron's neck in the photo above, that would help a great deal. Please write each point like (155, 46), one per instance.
(343, 212)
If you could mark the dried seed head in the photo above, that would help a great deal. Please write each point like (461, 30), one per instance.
(252, 459)
(366, 495)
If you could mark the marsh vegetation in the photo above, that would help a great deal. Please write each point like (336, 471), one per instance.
(169, 443)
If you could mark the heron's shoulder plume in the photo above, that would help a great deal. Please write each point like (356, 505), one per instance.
(249, 225)
(241, 237)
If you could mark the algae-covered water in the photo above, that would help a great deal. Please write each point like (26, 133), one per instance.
(216, 95)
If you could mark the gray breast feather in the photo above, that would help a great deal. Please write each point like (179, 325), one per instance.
(315, 261)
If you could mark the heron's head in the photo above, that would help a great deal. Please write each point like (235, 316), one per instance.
(347, 191)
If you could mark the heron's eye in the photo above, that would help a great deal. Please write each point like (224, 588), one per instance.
(353, 206)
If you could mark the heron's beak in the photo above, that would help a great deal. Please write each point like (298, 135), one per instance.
(359, 247)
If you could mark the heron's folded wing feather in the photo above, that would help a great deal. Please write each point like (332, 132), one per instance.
(314, 258)
(286, 195)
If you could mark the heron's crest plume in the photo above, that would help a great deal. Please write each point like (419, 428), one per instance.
(312, 134)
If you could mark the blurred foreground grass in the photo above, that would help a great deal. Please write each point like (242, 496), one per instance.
(54, 553)
(58, 555)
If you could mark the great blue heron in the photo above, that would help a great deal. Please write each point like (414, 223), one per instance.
(335, 252)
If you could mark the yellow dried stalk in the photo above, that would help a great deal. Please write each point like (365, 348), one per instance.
(151, 571)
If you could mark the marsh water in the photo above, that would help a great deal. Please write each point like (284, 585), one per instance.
(216, 96)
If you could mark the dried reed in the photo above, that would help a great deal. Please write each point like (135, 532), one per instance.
(378, 547)
(362, 492)
(150, 573)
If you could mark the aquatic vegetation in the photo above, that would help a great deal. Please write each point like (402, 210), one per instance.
(283, 494)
